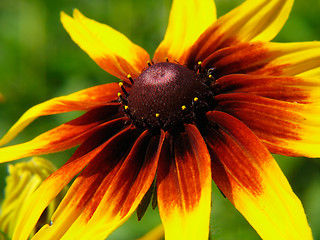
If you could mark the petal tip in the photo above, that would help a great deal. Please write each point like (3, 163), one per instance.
(77, 14)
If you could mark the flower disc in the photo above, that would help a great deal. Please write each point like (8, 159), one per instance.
(163, 95)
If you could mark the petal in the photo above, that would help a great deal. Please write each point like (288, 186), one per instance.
(156, 233)
(188, 19)
(110, 49)
(63, 137)
(286, 59)
(184, 186)
(87, 152)
(251, 21)
(79, 101)
(117, 188)
(250, 178)
(23, 178)
(289, 89)
(239, 58)
(291, 59)
(286, 128)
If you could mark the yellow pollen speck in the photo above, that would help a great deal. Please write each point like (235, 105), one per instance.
(195, 99)
(120, 84)
(210, 76)
(126, 107)
(119, 94)
(157, 115)
(183, 107)
(128, 76)
(199, 63)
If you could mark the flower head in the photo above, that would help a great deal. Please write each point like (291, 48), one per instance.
(23, 179)
(216, 98)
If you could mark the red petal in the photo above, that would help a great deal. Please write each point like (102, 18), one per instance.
(184, 186)
(285, 128)
(87, 152)
(268, 59)
(109, 189)
(79, 101)
(250, 178)
(239, 58)
(290, 89)
(65, 136)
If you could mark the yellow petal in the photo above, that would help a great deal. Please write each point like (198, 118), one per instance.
(184, 186)
(251, 21)
(188, 19)
(268, 22)
(292, 59)
(256, 20)
(23, 179)
(81, 100)
(156, 233)
(250, 178)
(110, 49)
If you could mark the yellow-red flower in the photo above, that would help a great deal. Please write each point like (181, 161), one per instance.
(23, 179)
(216, 98)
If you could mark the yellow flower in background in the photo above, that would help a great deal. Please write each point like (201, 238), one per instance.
(23, 179)
(216, 98)
(156, 233)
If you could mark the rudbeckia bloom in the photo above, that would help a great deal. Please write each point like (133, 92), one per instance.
(23, 179)
(214, 101)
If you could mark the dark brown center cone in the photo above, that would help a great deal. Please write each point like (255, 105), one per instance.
(163, 94)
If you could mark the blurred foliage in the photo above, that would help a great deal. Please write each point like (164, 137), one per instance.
(39, 61)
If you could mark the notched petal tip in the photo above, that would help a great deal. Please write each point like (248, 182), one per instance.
(110, 49)
(63, 16)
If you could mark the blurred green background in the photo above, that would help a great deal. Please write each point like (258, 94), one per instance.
(38, 61)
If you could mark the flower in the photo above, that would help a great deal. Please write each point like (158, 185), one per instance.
(216, 98)
(23, 179)
(155, 234)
